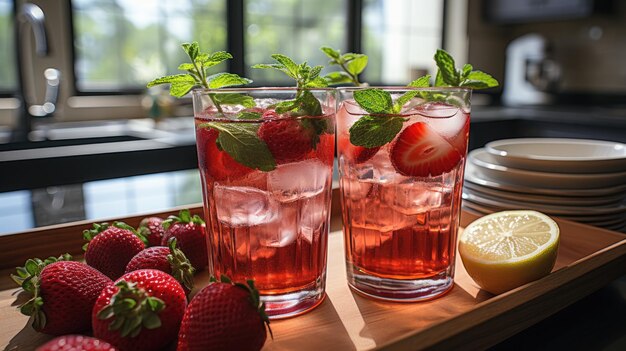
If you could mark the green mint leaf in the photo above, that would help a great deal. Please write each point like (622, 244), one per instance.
(268, 66)
(213, 59)
(439, 80)
(172, 79)
(479, 80)
(308, 105)
(241, 142)
(337, 77)
(180, 89)
(290, 66)
(305, 105)
(357, 64)
(374, 131)
(318, 82)
(374, 101)
(421, 82)
(186, 67)
(286, 106)
(191, 49)
(221, 80)
(315, 72)
(251, 116)
(445, 63)
(331, 53)
(234, 99)
(467, 68)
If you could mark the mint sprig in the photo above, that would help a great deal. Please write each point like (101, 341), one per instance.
(181, 84)
(351, 64)
(374, 130)
(304, 103)
(239, 140)
(449, 76)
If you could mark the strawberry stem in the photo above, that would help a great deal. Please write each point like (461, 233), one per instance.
(182, 270)
(132, 309)
(28, 277)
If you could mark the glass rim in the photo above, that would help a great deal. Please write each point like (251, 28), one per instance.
(200, 91)
(405, 88)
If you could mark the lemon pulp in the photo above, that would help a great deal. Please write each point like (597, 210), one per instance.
(504, 250)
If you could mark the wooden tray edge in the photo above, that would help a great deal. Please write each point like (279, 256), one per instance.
(521, 307)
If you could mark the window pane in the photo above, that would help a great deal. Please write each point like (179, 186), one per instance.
(401, 48)
(296, 28)
(8, 81)
(125, 43)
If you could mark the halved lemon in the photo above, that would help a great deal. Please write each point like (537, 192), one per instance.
(504, 250)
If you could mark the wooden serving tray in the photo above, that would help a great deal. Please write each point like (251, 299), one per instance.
(466, 317)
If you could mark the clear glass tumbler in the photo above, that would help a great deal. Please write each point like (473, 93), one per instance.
(401, 199)
(266, 158)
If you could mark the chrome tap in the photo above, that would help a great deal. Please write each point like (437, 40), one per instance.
(33, 15)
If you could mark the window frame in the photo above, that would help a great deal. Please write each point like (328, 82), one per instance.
(76, 105)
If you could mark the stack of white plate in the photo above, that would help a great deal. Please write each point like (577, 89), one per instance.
(576, 179)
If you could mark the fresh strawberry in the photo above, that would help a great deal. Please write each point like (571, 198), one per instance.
(110, 248)
(354, 153)
(218, 164)
(287, 139)
(224, 316)
(76, 343)
(190, 234)
(141, 311)
(64, 293)
(170, 260)
(152, 230)
(420, 152)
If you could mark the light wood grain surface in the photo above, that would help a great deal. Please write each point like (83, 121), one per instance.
(465, 317)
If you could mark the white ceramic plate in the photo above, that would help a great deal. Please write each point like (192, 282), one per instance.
(564, 205)
(606, 200)
(559, 155)
(473, 176)
(514, 176)
(619, 210)
(591, 220)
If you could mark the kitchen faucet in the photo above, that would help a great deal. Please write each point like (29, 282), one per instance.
(33, 15)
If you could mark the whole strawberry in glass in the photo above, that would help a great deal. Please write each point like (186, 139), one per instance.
(190, 234)
(141, 311)
(63, 293)
(111, 247)
(168, 259)
(224, 316)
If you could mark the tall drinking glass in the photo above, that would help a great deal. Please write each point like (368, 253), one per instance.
(401, 200)
(266, 179)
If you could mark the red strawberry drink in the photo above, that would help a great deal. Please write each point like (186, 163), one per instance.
(401, 159)
(266, 167)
